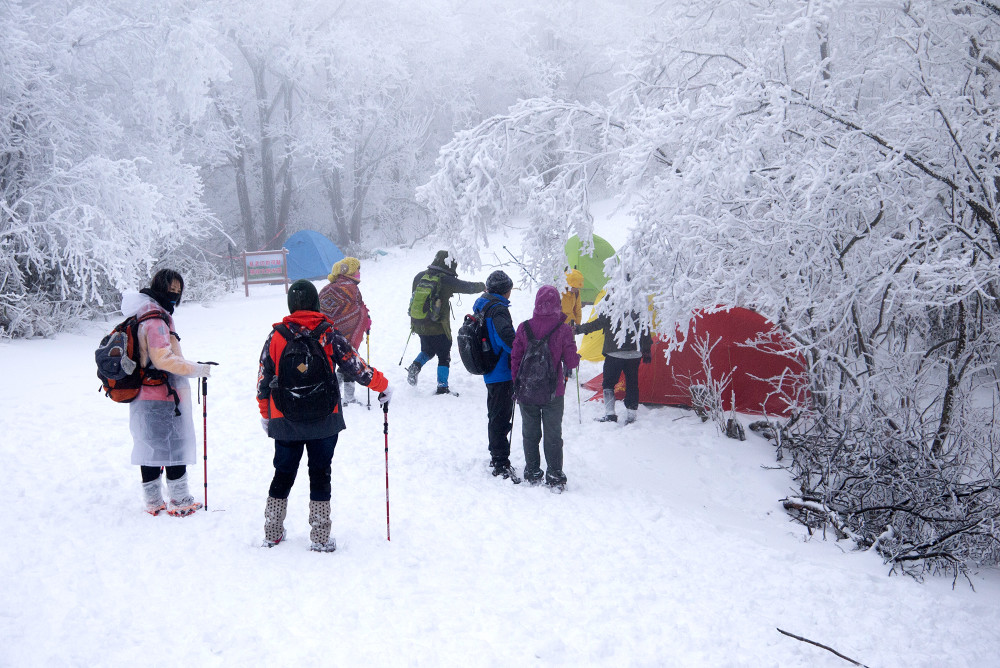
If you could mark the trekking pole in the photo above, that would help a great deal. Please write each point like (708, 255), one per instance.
(204, 422)
(385, 430)
(368, 354)
(520, 264)
(579, 405)
(404, 348)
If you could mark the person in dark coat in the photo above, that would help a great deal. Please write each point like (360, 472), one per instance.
(621, 359)
(495, 303)
(546, 420)
(435, 330)
(317, 437)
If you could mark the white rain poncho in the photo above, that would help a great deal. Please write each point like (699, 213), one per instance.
(160, 437)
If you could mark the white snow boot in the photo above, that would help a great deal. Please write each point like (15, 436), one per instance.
(630, 416)
(609, 407)
(182, 503)
(152, 493)
(319, 520)
(274, 521)
(348, 397)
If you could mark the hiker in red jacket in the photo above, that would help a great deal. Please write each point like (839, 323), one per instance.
(301, 416)
(340, 301)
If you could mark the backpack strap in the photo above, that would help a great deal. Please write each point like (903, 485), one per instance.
(531, 334)
(151, 371)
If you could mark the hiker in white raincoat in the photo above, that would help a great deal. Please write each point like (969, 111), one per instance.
(160, 418)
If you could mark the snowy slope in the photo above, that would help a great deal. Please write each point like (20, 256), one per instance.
(668, 549)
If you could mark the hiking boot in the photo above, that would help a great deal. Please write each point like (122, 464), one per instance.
(506, 471)
(182, 503)
(412, 372)
(153, 496)
(630, 416)
(319, 534)
(556, 481)
(443, 389)
(534, 477)
(607, 418)
(274, 521)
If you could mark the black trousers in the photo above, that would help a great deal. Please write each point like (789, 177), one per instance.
(538, 422)
(288, 454)
(614, 367)
(436, 344)
(151, 473)
(500, 411)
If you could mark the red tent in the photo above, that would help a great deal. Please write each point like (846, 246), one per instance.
(753, 371)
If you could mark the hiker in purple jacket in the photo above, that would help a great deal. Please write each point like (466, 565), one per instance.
(546, 418)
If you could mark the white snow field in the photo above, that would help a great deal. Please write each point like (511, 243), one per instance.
(669, 548)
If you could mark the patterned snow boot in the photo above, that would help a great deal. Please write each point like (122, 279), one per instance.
(182, 503)
(319, 520)
(153, 495)
(274, 521)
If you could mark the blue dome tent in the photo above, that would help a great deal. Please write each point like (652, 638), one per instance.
(310, 255)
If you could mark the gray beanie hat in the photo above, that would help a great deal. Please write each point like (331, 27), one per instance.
(302, 296)
(499, 283)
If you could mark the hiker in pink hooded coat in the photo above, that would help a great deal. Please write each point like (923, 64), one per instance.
(545, 418)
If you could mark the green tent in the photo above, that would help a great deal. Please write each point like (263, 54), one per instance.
(591, 266)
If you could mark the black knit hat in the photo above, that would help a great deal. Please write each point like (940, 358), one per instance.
(499, 283)
(302, 296)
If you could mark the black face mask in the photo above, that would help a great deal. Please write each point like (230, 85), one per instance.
(174, 298)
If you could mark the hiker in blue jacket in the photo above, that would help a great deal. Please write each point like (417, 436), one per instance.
(495, 302)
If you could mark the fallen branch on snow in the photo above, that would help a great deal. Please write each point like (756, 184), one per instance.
(829, 649)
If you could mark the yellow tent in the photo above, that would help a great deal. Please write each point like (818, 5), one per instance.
(593, 343)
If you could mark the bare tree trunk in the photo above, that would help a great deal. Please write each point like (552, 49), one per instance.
(955, 373)
(331, 180)
(287, 183)
(239, 162)
(243, 196)
(266, 152)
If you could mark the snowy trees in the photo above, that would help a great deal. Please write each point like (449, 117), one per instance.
(87, 205)
(833, 167)
(295, 114)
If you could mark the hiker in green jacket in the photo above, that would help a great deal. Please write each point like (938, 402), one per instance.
(430, 316)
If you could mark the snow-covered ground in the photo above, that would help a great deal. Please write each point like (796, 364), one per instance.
(669, 548)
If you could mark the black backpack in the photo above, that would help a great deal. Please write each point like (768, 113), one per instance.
(536, 376)
(474, 344)
(305, 387)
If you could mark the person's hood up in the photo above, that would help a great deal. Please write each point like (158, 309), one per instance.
(440, 262)
(574, 278)
(548, 302)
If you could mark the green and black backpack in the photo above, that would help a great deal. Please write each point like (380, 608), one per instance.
(425, 303)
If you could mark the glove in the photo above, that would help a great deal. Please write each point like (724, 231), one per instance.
(263, 424)
(384, 396)
(576, 329)
(203, 370)
(647, 357)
